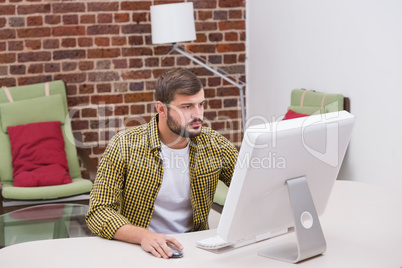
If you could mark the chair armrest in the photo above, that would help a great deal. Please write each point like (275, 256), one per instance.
(1, 200)
(88, 163)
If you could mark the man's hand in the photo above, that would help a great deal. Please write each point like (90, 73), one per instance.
(151, 242)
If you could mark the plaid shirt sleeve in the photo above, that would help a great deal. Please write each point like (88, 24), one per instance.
(103, 217)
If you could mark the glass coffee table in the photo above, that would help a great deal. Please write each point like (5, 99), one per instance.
(50, 221)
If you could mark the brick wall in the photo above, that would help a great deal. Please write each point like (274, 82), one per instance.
(103, 51)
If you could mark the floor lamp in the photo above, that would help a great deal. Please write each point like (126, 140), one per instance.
(173, 23)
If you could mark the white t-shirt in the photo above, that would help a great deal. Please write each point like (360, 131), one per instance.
(173, 212)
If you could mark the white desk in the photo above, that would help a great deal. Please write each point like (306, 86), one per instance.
(362, 226)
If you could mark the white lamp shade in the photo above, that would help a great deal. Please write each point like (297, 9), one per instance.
(172, 23)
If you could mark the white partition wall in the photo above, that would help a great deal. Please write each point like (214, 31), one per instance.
(353, 47)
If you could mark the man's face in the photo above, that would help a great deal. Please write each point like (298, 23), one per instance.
(185, 114)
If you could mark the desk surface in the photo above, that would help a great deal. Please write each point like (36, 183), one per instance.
(362, 227)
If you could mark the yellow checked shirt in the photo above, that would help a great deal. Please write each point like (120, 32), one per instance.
(130, 176)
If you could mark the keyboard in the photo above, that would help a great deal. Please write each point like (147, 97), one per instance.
(214, 242)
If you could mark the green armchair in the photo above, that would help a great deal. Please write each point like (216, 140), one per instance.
(36, 103)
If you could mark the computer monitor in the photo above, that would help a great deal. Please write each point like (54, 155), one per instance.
(282, 181)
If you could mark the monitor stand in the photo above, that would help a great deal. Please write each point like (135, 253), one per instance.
(310, 239)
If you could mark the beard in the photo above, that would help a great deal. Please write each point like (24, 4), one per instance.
(183, 131)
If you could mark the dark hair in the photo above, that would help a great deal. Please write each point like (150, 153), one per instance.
(176, 81)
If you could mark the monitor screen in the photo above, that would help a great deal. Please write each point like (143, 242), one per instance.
(258, 204)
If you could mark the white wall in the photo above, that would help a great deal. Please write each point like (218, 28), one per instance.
(353, 47)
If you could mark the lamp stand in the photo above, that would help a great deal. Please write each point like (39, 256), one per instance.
(218, 71)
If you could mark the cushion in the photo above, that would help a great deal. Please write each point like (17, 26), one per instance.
(38, 155)
(31, 111)
(292, 114)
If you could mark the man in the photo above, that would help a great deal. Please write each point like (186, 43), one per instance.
(160, 178)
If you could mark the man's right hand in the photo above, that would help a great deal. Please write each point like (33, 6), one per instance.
(151, 242)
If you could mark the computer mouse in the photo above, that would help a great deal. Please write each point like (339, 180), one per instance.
(177, 253)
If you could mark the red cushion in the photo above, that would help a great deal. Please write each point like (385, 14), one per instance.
(38, 155)
(292, 114)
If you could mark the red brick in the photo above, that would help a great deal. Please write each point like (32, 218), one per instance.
(102, 41)
(86, 89)
(52, 67)
(33, 32)
(52, 19)
(231, 3)
(33, 44)
(3, 47)
(215, 37)
(68, 7)
(68, 54)
(3, 22)
(75, 101)
(106, 99)
(79, 124)
(91, 137)
(230, 59)
(227, 91)
(103, 29)
(103, 7)
(215, 104)
(85, 42)
(69, 42)
(204, 15)
(221, 48)
(103, 88)
(231, 36)
(71, 78)
(105, 18)
(136, 51)
(69, 66)
(204, 4)
(86, 19)
(7, 10)
(235, 14)
(119, 41)
(142, 74)
(34, 56)
(206, 26)
(121, 17)
(104, 53)
(135, 40)
(138, 97)
(17, 69)
(220, 15)
(140, 17)
(86, 65)
(50, 43)
(7, 82)
(35, 68)
(7, 34)
(136, 28)
(70, 19)
(152, 62)
(34, 79)
(15, 45)
(162, 50)
(68, 31)
(33, 9)
(135, 63)
(232, 25)
(34, 21)
(202, 48)
(120, 63)
(136, 5)
(137, 109)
